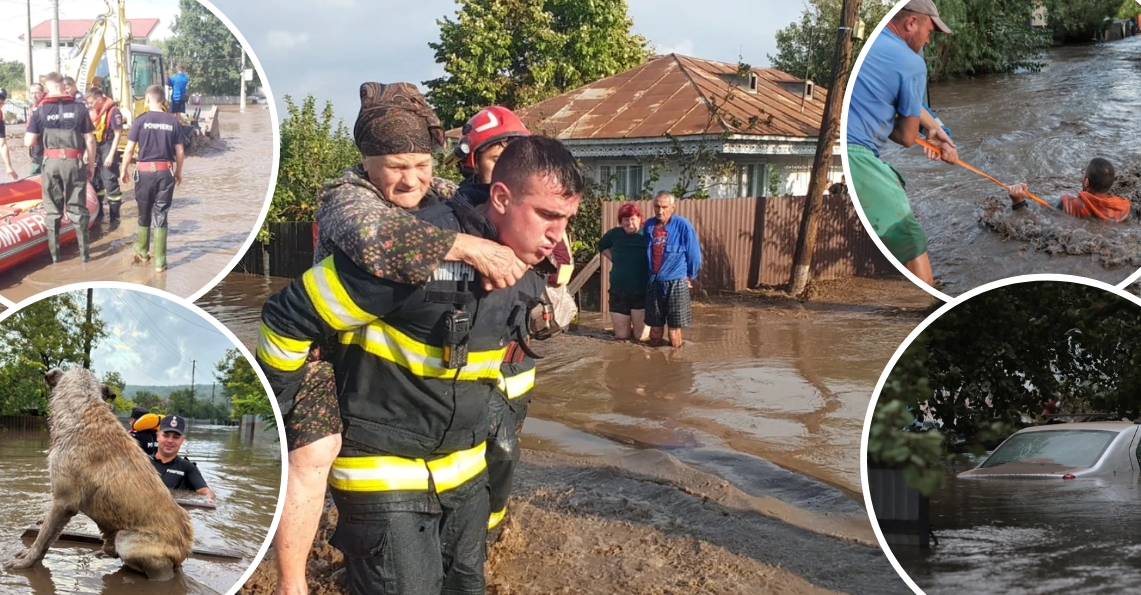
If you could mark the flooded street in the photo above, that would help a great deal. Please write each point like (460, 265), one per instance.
(214, 211)
(246, 477)
(1031, 536)
(1042, 129)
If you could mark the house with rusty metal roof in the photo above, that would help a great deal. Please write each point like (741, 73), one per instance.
(734, 130)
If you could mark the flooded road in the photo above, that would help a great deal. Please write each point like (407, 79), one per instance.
(1031, 536)
(1042, 129)
(755, 393)
(246, 477)
(214, 211)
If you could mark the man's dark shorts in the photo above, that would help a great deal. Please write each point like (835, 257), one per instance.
(621, 302)
(178, 106)
(667, 304)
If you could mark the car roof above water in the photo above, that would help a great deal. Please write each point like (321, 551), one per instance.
(1105, 426)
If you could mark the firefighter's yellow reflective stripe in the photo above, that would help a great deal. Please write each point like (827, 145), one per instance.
(378, 474)
(281, 352)
(331, 300)
(496, 518)
(458, 468)
(518, 385)
(388, 473)
(426, 361)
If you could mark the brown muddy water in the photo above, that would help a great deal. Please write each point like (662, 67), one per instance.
(1028, 536)
(246, 477)
(215, 210)
(1042, 129)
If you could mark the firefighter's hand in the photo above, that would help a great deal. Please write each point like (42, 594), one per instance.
(496, 263)
(124, 179)
(109, 161)
(91, 170)
(177, 178)
(12, 173)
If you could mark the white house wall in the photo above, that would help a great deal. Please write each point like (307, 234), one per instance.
(793, 175)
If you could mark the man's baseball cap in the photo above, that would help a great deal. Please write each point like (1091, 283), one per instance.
(138, 412)
(927, 7)
(173, 423)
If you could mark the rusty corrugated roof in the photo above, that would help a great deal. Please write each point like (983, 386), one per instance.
(676, 95)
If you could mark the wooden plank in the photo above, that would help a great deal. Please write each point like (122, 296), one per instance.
(191, 503)
(584, 274)
(32, 532)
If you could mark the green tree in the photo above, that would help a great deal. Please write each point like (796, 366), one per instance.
(1129, 9)
(974, 375)
(182, 402)
(518, 52)
(806, 49)
(211, 54)
(242, 386)
(1079, 20)
(989, 37)
(122, 404)
(152, 401)
(12, 75)
(315, 149)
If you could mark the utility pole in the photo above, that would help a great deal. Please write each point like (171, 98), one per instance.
(242, 81)
(87, 332)
(55, 34)
(829, 133)
(192, 366)
(29, 77)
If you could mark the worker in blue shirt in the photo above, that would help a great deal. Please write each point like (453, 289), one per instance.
(178, 84)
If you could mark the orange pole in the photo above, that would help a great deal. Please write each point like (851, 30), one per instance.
(968, 166)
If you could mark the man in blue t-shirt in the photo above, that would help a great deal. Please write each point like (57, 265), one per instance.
(674, 255)
(178, 84)
(887, 104)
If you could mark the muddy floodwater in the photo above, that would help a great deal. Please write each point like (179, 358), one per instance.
(246, 477)
(223, 191)
(1039, 128)
(1031, 536)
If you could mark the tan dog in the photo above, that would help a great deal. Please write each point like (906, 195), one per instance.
(98, 469)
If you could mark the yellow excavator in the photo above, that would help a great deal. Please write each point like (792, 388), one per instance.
(107, 58)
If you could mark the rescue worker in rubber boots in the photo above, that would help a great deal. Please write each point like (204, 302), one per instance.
(385, 133)
(36, 152)
(157, 171)
(108, 122)
(485, 136)
(64, 128)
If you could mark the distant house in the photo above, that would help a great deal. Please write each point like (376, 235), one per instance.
(71, 32)
(755, 128)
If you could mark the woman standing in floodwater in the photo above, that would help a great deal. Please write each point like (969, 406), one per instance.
(625, 246)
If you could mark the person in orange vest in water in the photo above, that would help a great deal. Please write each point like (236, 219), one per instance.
(1094, 199)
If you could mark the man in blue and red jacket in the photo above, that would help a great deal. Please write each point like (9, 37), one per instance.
(675, 257)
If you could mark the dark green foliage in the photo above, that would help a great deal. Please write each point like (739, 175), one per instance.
(211, 54)
(518, 52)
(989, 36)
(807, 49)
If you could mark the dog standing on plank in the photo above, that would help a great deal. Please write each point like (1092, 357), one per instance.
(98, 470)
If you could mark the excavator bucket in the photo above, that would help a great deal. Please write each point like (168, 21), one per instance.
(208, 122)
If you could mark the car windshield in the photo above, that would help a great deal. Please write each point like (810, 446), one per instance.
(1070, 448)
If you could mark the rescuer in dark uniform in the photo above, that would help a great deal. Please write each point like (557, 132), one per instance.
(414, 462)
(108, 122)
(144, 429)
(177, 473)
(64, 127)
(158, 171)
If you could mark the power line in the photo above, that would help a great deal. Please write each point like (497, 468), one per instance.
(156, 335)
(209, 328)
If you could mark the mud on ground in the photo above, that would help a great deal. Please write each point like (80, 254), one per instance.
(1055, 233)
(646, 525)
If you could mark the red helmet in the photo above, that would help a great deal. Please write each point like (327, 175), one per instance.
(489, 125)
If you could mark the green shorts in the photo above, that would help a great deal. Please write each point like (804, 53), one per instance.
(879, 190)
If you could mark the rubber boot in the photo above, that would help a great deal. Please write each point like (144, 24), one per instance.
(53, 244)
(160, 249)
(143, 244)
(113, 205)
(84, 249)
(99, 216)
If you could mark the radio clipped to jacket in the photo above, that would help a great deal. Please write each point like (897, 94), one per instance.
(457, 327)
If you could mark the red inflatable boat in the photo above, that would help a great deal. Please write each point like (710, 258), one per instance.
(23, 231)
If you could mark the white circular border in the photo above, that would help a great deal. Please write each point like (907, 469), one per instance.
(1116, 290)
(237, 344)
(848, 171)
(275, 162)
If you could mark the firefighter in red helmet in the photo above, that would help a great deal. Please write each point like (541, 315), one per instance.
(484, 137)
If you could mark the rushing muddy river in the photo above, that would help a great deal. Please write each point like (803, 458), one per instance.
(223, 191)
(245, 475)
(1031, 536)
(1039, 128)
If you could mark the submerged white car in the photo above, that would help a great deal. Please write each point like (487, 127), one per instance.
(1069, 451)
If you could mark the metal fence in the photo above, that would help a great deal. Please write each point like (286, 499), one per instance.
(24, 423)
(288, 254)
(750, 242)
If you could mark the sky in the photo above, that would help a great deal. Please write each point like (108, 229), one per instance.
(152, 340)
(329, 47)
